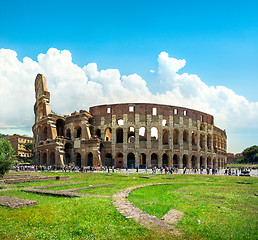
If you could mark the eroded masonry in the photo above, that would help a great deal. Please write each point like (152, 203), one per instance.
(126, 135)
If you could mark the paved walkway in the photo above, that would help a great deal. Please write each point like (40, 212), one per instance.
(130, 211)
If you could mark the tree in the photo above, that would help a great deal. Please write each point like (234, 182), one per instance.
(29, 146)
(6, 156)
(251, 154)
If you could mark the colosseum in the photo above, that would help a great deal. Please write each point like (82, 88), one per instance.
(126, 135)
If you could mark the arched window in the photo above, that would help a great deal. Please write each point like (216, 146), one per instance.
(98, 133)
(60, 123)
(119, 135)
(194, 138)
(202, 142)
(68, 133)
(120, 121)
(108, 134)
(44, 160)
(176, 136)
(131, 135)
(78, 132)
(44, 134)
(142, 134)
(154, 133)
(185, 137)
(175, 160)
(165, 136)
(209, 141)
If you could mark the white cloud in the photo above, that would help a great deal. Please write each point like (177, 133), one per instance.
(73, 88)
(152, 71)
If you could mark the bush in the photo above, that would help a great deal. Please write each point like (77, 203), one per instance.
(6, 156)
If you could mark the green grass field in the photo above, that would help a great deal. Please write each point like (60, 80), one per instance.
(225, 209)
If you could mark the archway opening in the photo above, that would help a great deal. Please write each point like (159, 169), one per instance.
(154, 134)
(108, 134)
(60, 123)
(90, 159)
(119, 135)
(108, 161)
(78, 132)
(165, 160)
(44, 159)
(185, 137)
(185, 158)
(142, 134)
(52, 159)
(154, 160)
(98, 133)
(78, 160)
(119, 160)
(165, 137)
(194, 161)
(202, 162)
(176, 136)
(68, 133)
(130, 160)
(131, 135)
(175, 160)
(143, 160)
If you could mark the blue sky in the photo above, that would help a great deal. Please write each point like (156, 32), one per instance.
(218, 40)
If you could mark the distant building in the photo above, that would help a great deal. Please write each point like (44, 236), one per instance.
(18, 143)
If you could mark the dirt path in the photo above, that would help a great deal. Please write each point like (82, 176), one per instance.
(120, 200)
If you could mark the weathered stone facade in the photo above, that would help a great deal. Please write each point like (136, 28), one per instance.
(132, 135)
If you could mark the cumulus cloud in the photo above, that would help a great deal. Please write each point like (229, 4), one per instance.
(73, 88)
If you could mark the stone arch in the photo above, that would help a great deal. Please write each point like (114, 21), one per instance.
(165, 136)
(108, 160)
(154, 133)
(90, 159)
(44, 159)
(60, 124)
(68, 133)
(202, 140)
(194, 161)
(130, 160)
(175, 136)
(108, 134)
(154, 160)
(194, 138)
(202, 127)
(119, 160)
(209, 141)
(78, 161)
(165, 160)
(120, 121)
(78, 131)
(98, 133)
(119, 135)
(142, 134)
(44, 133)
(142, 160)
(202, 162)
(131, 135)
(185, 136)
(52, 158)
(185, 160)
(209, 162)
(175, 160)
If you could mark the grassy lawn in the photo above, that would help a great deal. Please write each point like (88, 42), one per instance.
(242, 165)
(226, 209)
